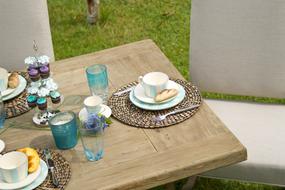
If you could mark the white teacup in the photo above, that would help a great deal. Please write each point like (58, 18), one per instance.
(153, 83)
(13, 167)
(93, 104)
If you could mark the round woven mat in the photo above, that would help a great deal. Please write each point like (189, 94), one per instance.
(18, 106)
(128, 113)
(62, 171)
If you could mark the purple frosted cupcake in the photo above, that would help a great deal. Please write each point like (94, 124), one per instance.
(44, 72)
(34, 75)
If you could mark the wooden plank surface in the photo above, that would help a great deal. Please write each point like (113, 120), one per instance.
(134, 158)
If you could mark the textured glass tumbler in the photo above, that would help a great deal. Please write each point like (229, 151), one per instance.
(93, 142)
(97, 77)
(64, 129)
(2, 112)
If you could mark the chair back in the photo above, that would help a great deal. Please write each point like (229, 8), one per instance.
(21, 22)
(238, 47)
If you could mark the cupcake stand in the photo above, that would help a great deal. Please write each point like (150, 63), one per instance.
(43, 92)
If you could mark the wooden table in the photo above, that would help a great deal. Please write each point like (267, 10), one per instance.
(134, 158)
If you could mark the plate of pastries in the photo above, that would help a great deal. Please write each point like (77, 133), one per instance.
(11, 84)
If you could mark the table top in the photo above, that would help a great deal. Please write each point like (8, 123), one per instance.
(134, 158)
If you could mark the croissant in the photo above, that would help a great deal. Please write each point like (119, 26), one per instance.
(13, 80)
(165, 94)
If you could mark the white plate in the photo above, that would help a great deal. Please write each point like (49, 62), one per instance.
(40, 179)
(2, 145)
(21, 87)
(28, 180)
(140, 95)
(8, 90)
(105, 110)
(166, 105)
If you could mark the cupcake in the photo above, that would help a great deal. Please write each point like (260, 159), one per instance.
(55, 97)
(32, 101)
(44, 72)
(34, 75)
(42, 103)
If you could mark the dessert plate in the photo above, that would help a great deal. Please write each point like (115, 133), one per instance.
(155, 107)
(140, 95)
(21, 87)
(40, 179)
(105, 110)
(28, 180)
(2, 145)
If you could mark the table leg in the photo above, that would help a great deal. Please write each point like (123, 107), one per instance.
(170, 186)
(190, 183)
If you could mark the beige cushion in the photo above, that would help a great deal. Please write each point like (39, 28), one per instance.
(21, 22)
(261, 129)
(238, 46)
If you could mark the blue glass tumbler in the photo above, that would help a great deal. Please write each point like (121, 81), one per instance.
(2, 112)
(97, 77)
(64, 129)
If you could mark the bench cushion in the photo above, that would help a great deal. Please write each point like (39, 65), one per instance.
(261, 129)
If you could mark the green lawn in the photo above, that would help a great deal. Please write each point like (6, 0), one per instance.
(124, 21)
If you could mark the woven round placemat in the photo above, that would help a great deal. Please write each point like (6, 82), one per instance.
(125, 111)
(18, 106)
(62, 171)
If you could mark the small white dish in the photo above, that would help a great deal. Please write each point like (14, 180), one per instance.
(155, 107)
(139, 93)
(2, 145)
(105, 110)
(40, 179)
(28, 180)
(21, 87)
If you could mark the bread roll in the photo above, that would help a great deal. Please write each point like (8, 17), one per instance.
(13, 80)
(165, 94)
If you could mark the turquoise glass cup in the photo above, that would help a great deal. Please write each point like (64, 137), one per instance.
(97, 77)
(92, 140)
(64, 129)
(2, 112)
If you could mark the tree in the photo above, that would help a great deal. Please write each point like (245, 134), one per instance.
(93, 11)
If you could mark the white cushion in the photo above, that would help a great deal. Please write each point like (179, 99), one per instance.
(261, 129)
(21, 22)
(237, 46)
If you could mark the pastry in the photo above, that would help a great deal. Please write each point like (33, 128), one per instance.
(165, 94)
(34, 75)
(3, 79)
(44, 72)
(13, 80)
(33, 158)
(55, 97)
(42, 103)
(32, 101)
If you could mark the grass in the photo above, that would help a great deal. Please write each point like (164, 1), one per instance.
(124, 21)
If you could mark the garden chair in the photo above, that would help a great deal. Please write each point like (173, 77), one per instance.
(21, 22)
(238, 47)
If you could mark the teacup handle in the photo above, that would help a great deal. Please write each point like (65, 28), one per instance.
(140, 79)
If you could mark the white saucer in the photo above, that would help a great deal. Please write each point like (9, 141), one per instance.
(40, 179)
(163, 106)
(105, 110)
(140, 95)
(21, 87)
(2, 145)
(28, 180)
